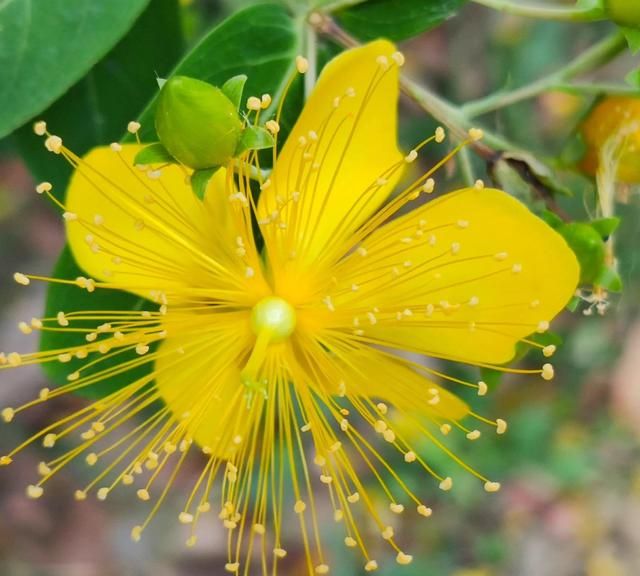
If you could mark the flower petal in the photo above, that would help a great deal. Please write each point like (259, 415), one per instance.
(198, 378)
(146, 231)
(329, 176)
(464, 277)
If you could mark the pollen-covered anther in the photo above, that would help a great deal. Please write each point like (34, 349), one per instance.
(516, 268)
(69, 216)
(272, 126)
(36, 323)
(446, 484)
(411, 156)
(254, 103)
(549, 350)
(133, 127)
(547, 372)
(136, 533)
(350, 542)
(302, 64)
(299, 507)
(382, 61)
(476, 134)
(398, 58)
(396, 508)
(322, 569)
(53, 144)
(500, 256)
(91, 459)
(142, 349)
(40, 128)
(501, 426)
(429, 186)
(185, 518)
(440, 134)
(482, 388)
(8, 414)
(80, 495)
(34, 492)
(473, 435)
(445, 429)
(370, 566)
(279, 552)
(25, 328)
(20, 278)
(44, 187)
(403, 558)
(410, 456)
(388, 533)
(102, 493)
(5, 460)
(265, 101)
(14, 359)
(116, 146)
(49, 441)
(389, 436)
(353, 498)
(424, 510)
(143, 494)
(492, 486)
(542, 327)
(479, 184)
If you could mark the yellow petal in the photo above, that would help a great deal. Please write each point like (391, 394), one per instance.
(463, 277)
(327, 179)
(145, 234)
(197, 375)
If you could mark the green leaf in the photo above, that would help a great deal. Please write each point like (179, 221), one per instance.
(155, 153)
(609, 279)
(97, 109)
(45, 47)
(234, 88)
(255, 138)
(605, 226)
(200, 180)
(633, 38)
(260, 41)
(394, 20)
(70, 298)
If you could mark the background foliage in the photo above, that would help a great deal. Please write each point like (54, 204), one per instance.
(569, 465)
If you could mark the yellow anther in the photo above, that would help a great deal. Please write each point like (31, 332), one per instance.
(548, 372)
(492, 486)
(279, 552)
(398, 58)
(370, 566)
(350, 542)
(232, 567)
(403, 558)
(80, 495)
(429, 186)
(136, 533)
(49, 441)
(272, 126)
(501, 426)
(482, 388)
(411, 156)
(549, 350)
(143, 494)
(338, 515)
(21, 279)
(302, 64)
(14, 359)
(353, 498)
(479, 185)
(34, 492)
(424, 511)
(410, 456)
(259, 529)
(185, 518)
(473, 435)
(265, 101)
(102, 493)
(476, 134)
(91, 459)
(53, 144)
(43, 469)
(8, 414)
(5, 460)
(440, 134)
(191, 541)
(380, 426)
(116, 146)
(388, 533)
(253, 103)
(389, 436)
(133, 127)
(43, 395)
(322, 569)
(40, 128)
(326, 479)
(43, 187)
(142, 349)
(396, 508)
(299, 507)
(446, 484)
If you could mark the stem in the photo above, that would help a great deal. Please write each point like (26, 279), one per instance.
(311, 54)
(466, 168)
(337, 5)
(544, 11)
(596, 56)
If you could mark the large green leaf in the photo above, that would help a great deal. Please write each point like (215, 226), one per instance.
(96, 110)
(395, 19)
(66, 298)
(260, 42)
(48, 45)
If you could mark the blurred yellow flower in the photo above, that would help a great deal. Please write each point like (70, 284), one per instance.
(280, 365)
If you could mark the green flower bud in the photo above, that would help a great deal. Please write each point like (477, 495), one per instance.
(197, 123)
(589, 248)
(624, 12)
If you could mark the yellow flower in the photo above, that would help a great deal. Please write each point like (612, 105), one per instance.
(281, 365)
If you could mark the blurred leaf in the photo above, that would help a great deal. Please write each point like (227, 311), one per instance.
(72, 299)
(96, 110)
(394, 20)
(47, 46)
(605, 226)
(260, 41)
(633, 38)
(609, 279)
(234, 88)
(633, 77)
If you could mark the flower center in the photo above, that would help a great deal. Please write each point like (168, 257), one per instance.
(274, 317)
(273, 320)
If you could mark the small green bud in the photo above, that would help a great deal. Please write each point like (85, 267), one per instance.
(589, 248)
(197, 123)
(624, 12)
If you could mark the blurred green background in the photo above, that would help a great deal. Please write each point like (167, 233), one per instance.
(569, 466)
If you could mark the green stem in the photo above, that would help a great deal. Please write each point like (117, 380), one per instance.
(328, 7)
(596, 89)
(311, 54)
(466, 167)
(596, 56)
(544, 11)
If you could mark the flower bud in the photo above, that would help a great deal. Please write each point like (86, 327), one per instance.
(589, 248)
(197, 123)
(611, 133)
(623, 12)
